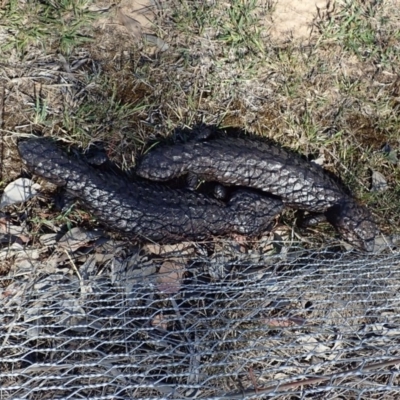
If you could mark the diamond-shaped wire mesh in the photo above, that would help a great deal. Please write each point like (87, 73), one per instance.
(306, 325)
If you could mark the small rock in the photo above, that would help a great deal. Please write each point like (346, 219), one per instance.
(379, 183)
(18, 191)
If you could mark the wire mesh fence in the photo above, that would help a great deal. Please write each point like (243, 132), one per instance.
(301, 324)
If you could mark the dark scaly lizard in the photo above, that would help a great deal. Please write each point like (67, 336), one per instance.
(145, 209)
(256, 164)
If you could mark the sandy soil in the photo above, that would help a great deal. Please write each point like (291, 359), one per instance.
(135, 17)
(294, 19)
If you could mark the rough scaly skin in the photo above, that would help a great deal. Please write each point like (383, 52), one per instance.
(148, 210)
(256, 164)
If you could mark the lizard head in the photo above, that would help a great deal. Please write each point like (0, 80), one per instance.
(354, 223)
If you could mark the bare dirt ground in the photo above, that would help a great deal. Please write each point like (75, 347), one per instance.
(294, 20)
